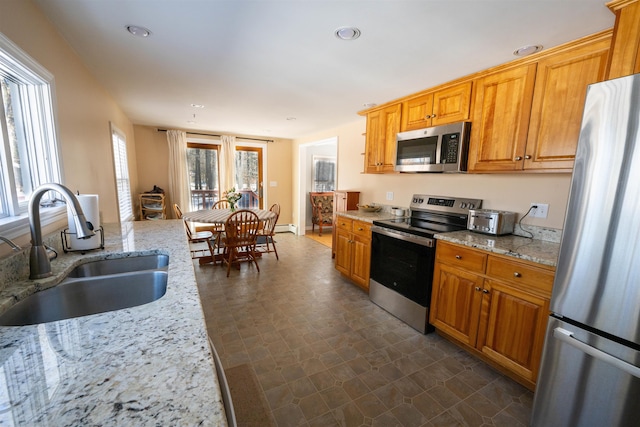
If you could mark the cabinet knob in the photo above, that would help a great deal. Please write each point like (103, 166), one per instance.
(360, 228)
(516, 274)
(427, 116)
(458, 257)
(518, 158)
(527, 157)
(486, 291)
(433, 116)
(478, 288)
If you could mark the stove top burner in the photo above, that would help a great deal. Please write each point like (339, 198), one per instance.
(433, 214)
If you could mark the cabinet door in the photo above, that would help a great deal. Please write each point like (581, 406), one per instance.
(451, 105)
(455, 303)
(382, 127)
(558, 103)
(515, 329)
(500, 120)
(361, 261)
(416, 112)
(343, 251)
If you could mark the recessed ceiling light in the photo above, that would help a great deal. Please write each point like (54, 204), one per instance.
(191, 122)
(347, 33)
(527, 50)
(369, 104)
(197, 105)
(291, 118)
(139, 31)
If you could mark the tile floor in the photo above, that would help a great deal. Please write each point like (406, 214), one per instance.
(325, 355)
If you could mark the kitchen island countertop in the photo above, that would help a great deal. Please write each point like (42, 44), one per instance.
(535, 250)
(145, 365)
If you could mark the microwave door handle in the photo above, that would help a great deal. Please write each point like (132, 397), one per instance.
(439, 150)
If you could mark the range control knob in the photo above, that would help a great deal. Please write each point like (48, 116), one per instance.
(472, 206)
(463, 205)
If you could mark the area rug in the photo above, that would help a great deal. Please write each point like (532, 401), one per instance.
(250, 405)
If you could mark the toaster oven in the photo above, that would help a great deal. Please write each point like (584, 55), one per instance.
(490, 221)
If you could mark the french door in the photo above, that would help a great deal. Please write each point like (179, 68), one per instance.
(248, 179)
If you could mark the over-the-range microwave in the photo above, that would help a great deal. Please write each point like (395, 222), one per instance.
(436, 149)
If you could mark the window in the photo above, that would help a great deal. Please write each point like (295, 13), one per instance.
(123, 186)
(28, 148)
(249, 176)
(324, 173)
(204, 175)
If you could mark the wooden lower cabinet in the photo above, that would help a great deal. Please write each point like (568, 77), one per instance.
(502, 318)
(353, 250)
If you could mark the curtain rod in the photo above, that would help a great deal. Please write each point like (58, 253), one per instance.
(212, 134)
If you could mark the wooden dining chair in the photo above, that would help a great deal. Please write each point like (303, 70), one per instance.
(221, 204)
(268, 231)
(196, 238)
(216, 229)
(241, 232)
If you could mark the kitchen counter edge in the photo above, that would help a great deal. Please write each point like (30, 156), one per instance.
(145, 365)
(534, 250)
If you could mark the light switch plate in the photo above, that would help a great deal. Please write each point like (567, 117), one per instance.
(389, 195)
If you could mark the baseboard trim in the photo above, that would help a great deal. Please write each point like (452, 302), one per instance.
(286, 228)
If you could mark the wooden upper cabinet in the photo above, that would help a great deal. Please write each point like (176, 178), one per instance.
(625, 47)
(500, 119)
(444, 106)
(382, 127)
(558, 102)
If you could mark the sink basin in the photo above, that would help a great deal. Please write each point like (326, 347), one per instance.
(119, 265)
(85, 296)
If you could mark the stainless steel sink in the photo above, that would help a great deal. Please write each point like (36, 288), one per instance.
(82, 297)
(120, 265)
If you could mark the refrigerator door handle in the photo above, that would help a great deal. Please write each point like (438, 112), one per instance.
(568, 338)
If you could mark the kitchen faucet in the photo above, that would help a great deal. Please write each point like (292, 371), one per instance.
(11, 243)
(39, 263)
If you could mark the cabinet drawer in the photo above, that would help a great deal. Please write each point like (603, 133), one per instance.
(469, 259)
(361, 228)
(518, 273)
(344, 223)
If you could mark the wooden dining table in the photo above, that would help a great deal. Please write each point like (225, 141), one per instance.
(220, 216)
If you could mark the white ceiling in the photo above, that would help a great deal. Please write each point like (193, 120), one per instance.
(254, 64)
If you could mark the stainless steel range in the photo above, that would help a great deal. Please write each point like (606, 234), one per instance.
(403, 255)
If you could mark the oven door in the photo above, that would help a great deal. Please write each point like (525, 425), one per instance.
(403, 263)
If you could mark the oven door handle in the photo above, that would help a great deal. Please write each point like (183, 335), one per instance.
(419, 240)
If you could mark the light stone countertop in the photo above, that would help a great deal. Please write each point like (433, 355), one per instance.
(535, 250)
(145, 365)
(366, 216)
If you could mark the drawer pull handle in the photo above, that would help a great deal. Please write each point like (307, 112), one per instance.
(458, 257)
(516, 274)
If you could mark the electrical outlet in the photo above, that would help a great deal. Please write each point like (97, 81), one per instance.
(540, 211)
(389, 195)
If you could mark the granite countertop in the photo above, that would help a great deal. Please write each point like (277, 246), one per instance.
(145, 365)
(535, 250)
(366, 216)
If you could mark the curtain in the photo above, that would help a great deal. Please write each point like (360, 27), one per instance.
(227, 163)
(179, 191)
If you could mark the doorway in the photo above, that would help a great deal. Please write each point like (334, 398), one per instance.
(249, 177)
(326, 151)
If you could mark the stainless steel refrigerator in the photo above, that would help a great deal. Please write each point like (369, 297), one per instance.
(590, 372)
